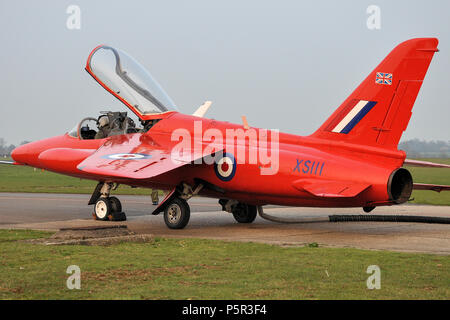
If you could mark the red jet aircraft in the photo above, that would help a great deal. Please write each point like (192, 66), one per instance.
(352, 160)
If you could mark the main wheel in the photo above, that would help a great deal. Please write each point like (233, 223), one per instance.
(177, 214)
(244, 213)
(102, 209)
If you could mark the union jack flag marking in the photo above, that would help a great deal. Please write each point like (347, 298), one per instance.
(383, 78)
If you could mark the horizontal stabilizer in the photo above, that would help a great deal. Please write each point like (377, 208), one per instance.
(330, 189)
(432, 187)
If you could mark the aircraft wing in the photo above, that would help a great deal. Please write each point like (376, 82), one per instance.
(139, 156)
(418, 163)
(330, 188)
(10, 162)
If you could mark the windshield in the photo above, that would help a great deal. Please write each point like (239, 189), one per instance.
(129, 81)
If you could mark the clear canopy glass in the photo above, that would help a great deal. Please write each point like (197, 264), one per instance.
(129, 81)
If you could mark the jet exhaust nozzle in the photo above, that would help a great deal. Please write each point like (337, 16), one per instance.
(400, 186)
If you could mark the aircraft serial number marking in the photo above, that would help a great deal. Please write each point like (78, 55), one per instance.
(309, 167)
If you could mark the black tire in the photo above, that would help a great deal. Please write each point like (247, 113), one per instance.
(368, 209)
(177, 214)
(244, 213)
(116, 206)
(102, 209)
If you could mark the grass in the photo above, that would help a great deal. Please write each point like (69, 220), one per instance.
(210, 269)
(26, 179)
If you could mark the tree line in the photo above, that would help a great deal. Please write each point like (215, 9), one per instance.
(6, 149)
(416, 148)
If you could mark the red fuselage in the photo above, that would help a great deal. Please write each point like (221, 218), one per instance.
(302, 161)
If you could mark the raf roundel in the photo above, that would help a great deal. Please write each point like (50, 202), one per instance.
(127, 156)
(225, 168)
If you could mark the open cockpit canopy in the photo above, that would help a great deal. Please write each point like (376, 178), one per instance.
(129, 82)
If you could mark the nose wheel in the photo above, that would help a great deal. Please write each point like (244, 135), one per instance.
(109, 208)
(106, 207)
(102, 209)
(116, 206)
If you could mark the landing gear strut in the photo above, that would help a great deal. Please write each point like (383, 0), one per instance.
(106, 207)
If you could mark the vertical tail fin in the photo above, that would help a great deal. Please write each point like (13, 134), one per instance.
(379, 109)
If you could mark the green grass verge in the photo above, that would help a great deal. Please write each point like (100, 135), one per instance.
(26, 179)
(208, 269)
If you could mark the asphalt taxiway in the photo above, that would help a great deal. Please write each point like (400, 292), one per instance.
(55, 211)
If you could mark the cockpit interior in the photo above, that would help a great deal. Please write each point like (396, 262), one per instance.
(109, 124)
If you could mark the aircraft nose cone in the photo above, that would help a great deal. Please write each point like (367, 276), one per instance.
(27, 154)
(19, 154)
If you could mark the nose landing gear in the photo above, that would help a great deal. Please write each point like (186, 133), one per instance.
(109, 209)
(106, 207)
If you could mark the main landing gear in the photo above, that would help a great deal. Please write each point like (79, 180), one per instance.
(242, 212)
(177, 213)
(106, 207)
(175, 207)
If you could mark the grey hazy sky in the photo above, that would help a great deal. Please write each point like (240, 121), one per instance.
(284, 64)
